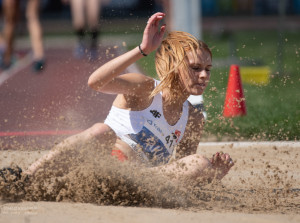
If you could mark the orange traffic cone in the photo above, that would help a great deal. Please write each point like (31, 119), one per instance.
(235, 101)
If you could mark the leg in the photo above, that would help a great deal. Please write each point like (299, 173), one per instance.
(189, 167)
(35, 32)
(77, 9)
(11, 9)
(34, 27)
(2, 50)
(98, 133)
(93, 8)
(78, 21)
(197, 166)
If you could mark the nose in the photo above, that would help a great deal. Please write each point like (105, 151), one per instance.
(204, 74)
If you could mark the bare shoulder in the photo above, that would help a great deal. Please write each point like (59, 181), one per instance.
(136, 94)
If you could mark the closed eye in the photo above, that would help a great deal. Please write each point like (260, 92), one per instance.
(208, 68)
(200, 68)
(197, 68)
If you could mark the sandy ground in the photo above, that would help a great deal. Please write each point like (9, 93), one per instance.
(68, 212)
(263, 186)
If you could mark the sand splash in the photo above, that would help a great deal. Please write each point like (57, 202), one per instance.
(90, 177)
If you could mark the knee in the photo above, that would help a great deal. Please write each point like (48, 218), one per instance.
(32, 13)
(200, 161)
(196, 166)
(10, 18)
(188, 168)
(100, 130)
(31, 17)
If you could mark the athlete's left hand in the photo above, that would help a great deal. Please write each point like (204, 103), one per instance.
(153, 34)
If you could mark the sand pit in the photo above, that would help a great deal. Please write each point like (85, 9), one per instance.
(74, 212)
(263, 186)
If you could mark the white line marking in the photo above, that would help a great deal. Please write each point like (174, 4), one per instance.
(21, 64)
(236, 145)
(40, 133)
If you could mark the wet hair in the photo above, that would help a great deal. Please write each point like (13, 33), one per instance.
(170, 57)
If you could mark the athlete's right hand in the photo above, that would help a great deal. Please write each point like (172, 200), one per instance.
(153, 34)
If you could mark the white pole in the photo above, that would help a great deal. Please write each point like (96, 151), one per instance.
(186, 16)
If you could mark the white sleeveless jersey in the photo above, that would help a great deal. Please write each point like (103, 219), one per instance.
(147, 132)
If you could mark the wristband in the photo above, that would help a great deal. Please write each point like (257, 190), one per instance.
(142, 51)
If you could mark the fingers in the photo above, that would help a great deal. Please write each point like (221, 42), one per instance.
(224, 158)
(162, 31)
(153, 35)
(215, 157)
(155, 19)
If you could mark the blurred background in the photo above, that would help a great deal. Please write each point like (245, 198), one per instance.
(120, 8)
(260, 14)
(261, 36)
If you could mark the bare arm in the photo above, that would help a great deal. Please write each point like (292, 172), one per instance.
(216, 167)
(106, 78)
(193, 131)
(190, 166)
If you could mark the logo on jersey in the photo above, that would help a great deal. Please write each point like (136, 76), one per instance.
(177, 134)
(155, 113)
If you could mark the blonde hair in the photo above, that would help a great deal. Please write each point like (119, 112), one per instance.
(170, 57)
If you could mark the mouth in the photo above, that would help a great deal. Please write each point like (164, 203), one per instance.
(200, 85)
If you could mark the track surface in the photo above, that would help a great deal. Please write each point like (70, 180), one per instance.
(38, 109)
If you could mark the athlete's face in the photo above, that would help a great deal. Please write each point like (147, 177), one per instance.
(196, 78)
